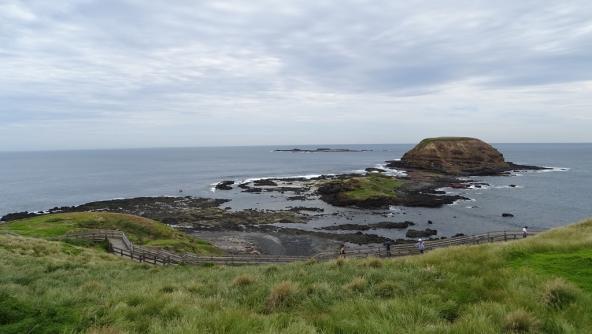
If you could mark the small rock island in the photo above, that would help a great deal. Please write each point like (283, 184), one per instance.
(456, 156)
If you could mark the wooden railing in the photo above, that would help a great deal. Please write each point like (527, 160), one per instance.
(144, 254)
(411, 248)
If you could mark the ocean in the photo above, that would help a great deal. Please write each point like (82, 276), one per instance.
(32, 181)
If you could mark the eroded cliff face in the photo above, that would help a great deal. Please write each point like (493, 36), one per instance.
(456, 156)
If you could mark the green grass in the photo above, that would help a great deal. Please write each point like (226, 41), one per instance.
(53, 287)
(372, 186)
(139, 230)
(442, 139)
(576, 266)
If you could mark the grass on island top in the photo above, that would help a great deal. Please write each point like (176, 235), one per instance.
(373, 185)
(442, 139)
(142, 231)
(536, 285)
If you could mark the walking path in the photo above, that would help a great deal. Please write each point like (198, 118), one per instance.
(120, 245)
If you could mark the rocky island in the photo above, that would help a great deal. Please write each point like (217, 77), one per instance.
(456, 156)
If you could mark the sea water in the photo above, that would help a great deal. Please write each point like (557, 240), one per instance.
(41, 180)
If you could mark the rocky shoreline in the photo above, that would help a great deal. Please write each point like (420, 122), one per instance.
(416, 180)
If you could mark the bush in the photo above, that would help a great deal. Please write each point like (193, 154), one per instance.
(282, 295)
(374, 263)
(559, 293)
(243, 280)
(357, 284)
(520, 321)
(168, 289)
(386, 290)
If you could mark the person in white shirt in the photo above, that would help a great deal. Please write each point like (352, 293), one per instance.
(525, 231)
(420, 245)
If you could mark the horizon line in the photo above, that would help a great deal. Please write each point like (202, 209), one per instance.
(267, 145)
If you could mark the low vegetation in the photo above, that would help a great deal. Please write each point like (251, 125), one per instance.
(368, 187)
(139, 230)
(442, 139)
(372, 186)
(54, 287)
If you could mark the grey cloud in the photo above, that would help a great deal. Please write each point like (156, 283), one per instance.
(86, 60)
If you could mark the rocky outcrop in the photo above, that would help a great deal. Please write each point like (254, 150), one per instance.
(17, 216)
(360, 227)
(420, 234)
(454, 156)
(224, 185)
(264, 182)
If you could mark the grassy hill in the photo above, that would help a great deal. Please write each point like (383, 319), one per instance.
(139, 230)
(537, 285)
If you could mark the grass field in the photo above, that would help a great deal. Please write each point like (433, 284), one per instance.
(536, 285)
(139, 230)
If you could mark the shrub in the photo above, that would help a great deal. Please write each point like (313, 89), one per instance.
(168, 289)
(558, 293)
(282, 295)
(374, 263)
(195, 288)
(357, 284)
(520, 321)
(449, 311)
(340, 262)
(104, 330)
(243, 280)
(386, 290)
(271, 270)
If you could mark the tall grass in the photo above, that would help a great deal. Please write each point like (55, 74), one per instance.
(53, 287)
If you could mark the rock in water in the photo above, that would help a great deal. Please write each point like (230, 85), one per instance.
(455, 156)
(420, 234)
(224, 185)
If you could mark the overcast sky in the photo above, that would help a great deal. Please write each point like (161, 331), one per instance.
(136, 73)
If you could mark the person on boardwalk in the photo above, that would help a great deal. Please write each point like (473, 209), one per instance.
(342, 251)
(420, 245)
(525, 231)
(387, 246)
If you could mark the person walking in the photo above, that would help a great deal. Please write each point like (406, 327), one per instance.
(524, 231)
(342, 251)
(387, 246)
(420, 245)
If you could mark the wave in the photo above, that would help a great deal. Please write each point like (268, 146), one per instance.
(553, 169)
(391, 171)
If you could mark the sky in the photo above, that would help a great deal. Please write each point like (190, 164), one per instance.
(78, 74)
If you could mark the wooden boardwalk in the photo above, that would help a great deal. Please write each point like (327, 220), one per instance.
(120, 245)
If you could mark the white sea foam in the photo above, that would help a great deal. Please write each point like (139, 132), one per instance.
(508, 187)
(480, 187)
(307, 177)
(391, 171)
(553, 169)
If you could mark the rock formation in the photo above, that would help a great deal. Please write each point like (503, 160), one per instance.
(454, 156)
